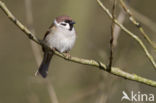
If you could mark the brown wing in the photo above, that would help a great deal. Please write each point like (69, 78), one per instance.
(48, 31)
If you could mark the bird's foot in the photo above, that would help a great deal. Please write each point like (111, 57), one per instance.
(67, 55)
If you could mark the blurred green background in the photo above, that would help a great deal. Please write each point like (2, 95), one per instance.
(73, 83)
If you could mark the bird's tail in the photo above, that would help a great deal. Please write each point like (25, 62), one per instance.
(43, 69)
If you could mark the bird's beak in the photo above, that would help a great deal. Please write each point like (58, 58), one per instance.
(72, 22)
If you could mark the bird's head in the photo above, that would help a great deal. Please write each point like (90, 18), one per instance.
(64, 22)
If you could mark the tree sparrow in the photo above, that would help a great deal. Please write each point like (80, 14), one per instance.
(60, 36)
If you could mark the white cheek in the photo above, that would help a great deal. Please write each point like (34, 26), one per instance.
(67, 26)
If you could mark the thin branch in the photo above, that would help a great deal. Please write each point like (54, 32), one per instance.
(18, 23)
(112, 37)
(149, 56)
(137, 24)
(144, 19)
(115, 71)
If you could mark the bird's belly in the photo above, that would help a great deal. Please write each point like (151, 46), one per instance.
(61, 43)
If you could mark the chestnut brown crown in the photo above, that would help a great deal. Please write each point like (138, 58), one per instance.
(63, 18)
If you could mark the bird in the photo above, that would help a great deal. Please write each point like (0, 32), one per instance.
(60, 36)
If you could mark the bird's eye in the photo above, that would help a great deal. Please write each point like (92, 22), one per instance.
(63, 24)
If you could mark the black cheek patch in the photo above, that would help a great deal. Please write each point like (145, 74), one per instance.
(70, 24)
(71, 27)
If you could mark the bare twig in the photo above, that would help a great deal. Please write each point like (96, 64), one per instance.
(112, 37)
(144, 19)
(137, 24)
(18, 23)
(116, 71)
(149, 56)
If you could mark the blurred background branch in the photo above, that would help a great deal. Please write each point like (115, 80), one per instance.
(36, 50)
(121, 19)
(29, 20)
